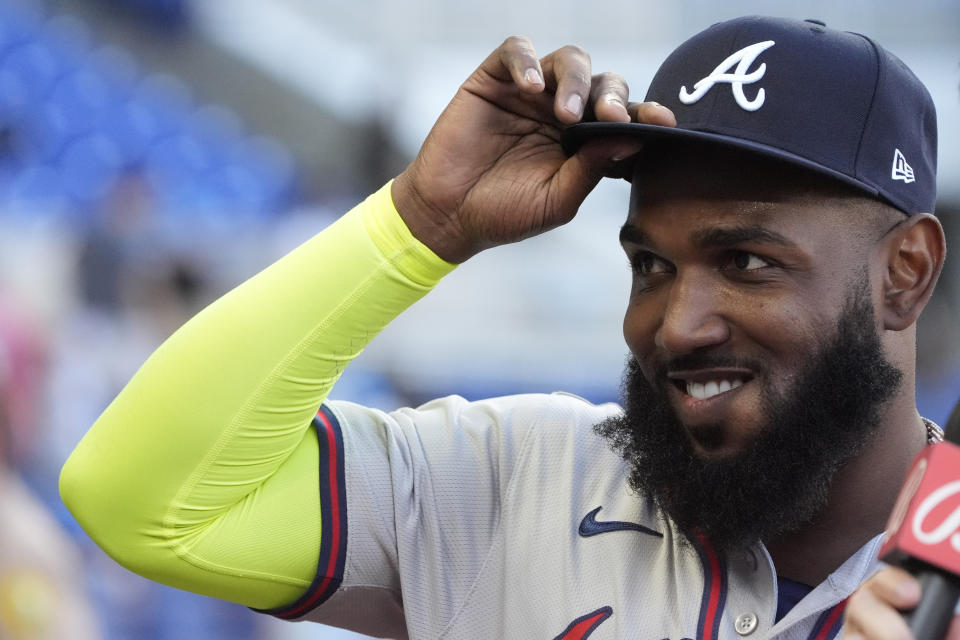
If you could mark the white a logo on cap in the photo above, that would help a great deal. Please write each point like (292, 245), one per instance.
(743, 59)
(901, 170)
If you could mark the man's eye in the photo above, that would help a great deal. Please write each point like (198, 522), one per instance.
(646, 263)
(743, 261)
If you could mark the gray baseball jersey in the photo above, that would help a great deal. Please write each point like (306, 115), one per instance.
(511, 518)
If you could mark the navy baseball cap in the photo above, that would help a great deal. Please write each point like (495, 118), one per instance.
(831, 101)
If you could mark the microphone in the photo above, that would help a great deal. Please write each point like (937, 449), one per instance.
(923, 533)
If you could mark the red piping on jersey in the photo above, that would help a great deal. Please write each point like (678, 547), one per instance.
(334, 503)
(714, 594)
(320, 591)
(583, 626)
(710, 620)
(831, 621)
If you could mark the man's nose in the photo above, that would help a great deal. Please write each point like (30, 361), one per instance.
(694, 317)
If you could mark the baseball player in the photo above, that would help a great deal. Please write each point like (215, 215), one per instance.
(782, 246)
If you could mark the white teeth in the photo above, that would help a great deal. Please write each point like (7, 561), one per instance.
(702, 391)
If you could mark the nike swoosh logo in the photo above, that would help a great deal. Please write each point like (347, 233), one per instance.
(590, 526)
(584, 625)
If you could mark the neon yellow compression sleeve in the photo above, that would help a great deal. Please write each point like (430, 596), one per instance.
(202, 474)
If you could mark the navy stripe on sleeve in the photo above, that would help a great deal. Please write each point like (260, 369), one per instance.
(333, 506)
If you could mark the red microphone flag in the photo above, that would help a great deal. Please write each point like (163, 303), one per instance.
(925, 522)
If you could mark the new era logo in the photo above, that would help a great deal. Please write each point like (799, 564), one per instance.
(901, 170)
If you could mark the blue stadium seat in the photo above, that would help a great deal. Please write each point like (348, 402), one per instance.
(74, 116)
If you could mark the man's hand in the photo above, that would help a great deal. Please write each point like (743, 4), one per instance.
(874, 609)
(492, 170)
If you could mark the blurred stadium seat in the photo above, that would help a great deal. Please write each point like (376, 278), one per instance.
(75, 116)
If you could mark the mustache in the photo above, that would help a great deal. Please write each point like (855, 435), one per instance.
(705, 360)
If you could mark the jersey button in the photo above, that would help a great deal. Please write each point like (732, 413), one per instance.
(745, 623)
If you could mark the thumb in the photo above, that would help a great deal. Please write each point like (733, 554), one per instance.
(610, 157)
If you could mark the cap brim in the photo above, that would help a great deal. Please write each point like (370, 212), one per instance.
(577, 135)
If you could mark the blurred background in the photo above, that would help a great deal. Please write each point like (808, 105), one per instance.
(154, 153)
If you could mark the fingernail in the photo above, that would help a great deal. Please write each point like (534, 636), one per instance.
(532, 76)
(613, 99)
(667, 117)
(573, 104)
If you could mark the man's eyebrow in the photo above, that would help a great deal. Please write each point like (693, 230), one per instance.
(630, 233)
(720, 237)
(717, 237)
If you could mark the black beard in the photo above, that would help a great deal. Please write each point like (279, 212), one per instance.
(782, 479)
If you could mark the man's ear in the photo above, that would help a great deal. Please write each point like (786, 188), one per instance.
(914, 252)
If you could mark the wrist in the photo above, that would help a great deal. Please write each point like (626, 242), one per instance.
(432, 225)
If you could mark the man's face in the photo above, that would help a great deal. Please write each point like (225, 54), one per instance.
(754, 348)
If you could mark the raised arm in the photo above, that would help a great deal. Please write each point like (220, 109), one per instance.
(202, 473)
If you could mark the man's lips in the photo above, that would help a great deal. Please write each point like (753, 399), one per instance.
(710, 402)
(703, 384)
